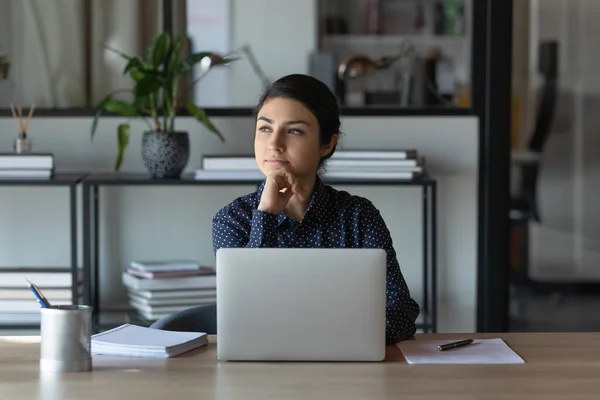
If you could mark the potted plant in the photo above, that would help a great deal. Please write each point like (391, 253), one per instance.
(155, 98)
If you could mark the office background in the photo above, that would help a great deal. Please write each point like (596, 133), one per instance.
(468, 149)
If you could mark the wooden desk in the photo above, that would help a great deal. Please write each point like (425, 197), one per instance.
(559, 366)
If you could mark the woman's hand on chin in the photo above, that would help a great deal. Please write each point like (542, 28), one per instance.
(279, 188)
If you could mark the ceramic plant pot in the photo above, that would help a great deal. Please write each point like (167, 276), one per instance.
(165, 154)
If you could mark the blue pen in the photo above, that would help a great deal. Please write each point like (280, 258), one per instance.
(38, 294)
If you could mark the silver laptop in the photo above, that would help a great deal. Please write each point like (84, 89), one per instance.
(301, 304)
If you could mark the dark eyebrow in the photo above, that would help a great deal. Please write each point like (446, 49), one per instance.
(270, 121)
(293, 122)
(296, 122)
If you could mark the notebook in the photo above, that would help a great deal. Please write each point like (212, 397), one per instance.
(481, 351)
(138, 341)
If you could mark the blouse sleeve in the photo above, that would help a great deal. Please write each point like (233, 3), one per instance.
(401, 310)
(233, 227)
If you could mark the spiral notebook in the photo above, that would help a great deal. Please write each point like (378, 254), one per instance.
(138, 341)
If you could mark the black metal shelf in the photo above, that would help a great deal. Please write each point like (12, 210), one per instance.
(91, 199)
(115, 179)
(90, 271)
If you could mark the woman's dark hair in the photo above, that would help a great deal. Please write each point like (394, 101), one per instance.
(315, 96)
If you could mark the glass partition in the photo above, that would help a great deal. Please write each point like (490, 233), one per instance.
(374, 54)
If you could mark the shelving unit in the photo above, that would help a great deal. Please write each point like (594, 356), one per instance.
(62, 180)
(91, 261)
(90, 270)
(431, 29)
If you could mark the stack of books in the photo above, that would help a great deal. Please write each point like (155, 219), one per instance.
(344, 165)
(159, 288)
(18, 305)
(26, 166)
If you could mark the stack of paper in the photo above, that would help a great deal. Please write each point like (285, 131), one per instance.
(138, 341)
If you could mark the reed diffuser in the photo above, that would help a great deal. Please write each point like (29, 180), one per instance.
(22, 142)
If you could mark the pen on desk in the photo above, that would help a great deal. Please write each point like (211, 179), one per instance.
(454, 345)
(38, 294)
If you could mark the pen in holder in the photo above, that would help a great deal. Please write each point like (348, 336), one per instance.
(65, 335)
(22, 142)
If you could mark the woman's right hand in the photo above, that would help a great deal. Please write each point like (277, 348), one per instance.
(279, 188)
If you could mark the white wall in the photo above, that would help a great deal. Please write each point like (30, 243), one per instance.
(281, 34)
(135, 220)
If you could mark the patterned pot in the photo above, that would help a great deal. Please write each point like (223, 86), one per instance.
(165, 154)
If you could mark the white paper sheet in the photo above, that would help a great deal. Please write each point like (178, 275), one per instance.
(481, 351)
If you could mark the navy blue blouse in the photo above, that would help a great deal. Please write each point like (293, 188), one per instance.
(334, 219)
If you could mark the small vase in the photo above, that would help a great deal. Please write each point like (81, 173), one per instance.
(22, 144)
(165, 154)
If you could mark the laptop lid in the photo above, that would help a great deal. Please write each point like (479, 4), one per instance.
(301, 304)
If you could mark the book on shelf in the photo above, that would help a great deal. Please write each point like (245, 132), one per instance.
(170, 298)
(165, 309)
(9, 305)
(344, 164)
(246, 161)
(375, 175)
(152, 295)
(44, 277)
(165, 265)
(168, 274)
(26, 161)
(173, 288)
(21, 318)
(232, 175)
(331, 164)
(25, 173)
(26, 166)
(188, 282)
(17, 304)
(53, 295)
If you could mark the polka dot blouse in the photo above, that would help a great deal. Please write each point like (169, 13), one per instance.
(334, 219)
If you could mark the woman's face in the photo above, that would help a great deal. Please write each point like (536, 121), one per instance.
(287, 137)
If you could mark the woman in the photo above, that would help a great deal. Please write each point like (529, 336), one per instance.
(297, 129)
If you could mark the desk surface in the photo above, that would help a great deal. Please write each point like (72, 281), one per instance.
(559, 366)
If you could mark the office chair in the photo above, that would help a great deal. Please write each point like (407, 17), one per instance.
(524, 207)
(196, 319)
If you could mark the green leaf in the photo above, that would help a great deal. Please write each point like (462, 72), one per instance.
(119, 107)
(135, 63)
(161, 49)
(99, 110)
(136, 75)
(122, 143)
(95, 122)
(201, 116)
(149, 51)
(175, 54)
(148, 85)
